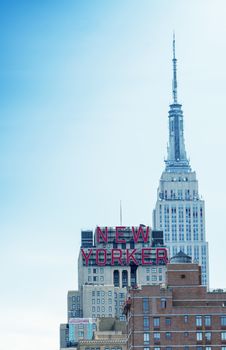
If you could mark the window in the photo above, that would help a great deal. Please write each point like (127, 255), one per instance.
(168, 348)
(208, 348)
(146, 322)
(208, 336)
(109, 293)
(186, 334)
(95, 278)
(168, 335)
(146, 338)
(207, 321)
(163, 303)
(110, 301)
(185, 318)
(81, 334)
(223, 320)
(98, 301)
(94, 270)
(103, 309)
(145, 305)
(199, 336)
(156, 337)
(198, 321)
(156, 322)
(101, 278)
(93, 293)
(93, 308)
(98, 293)
(98, 309)
(109, 309)
(156, 348)
(168, 321)
(93, 301)
(223, 335)
(146, 348)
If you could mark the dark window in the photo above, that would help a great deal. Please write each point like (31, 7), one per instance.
(156, 337)
(124, 278)
(146, 322)
(145, 305)
(163, 303)
(168, 321)
(116, 278)
(185, 318)
(168, 335)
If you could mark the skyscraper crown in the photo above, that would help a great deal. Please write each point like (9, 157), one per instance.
(176, 159)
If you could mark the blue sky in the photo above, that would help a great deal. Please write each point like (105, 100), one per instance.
(84, 94)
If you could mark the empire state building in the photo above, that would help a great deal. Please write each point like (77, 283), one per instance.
(179, 211)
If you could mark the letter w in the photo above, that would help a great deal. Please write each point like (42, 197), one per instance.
(136, 235)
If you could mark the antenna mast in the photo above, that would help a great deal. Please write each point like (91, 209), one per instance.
(174, 72)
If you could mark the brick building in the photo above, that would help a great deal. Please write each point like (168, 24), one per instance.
(180, 314)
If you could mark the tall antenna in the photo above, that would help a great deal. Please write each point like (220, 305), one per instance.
(174, 72)
(120, 212)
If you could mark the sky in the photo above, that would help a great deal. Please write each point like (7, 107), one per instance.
(85, 88)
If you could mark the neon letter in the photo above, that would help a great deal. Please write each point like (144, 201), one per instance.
(98, 261)
(100, 234)
(86, 257)
(130, 256)
(136, 235)
(161, 255)
(119, 233)
(146, 256)
(116, 257)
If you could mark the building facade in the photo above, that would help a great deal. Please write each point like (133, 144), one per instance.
(179, 210)
(111, 260)
(110, 335)
(114, 259)
(180, 314)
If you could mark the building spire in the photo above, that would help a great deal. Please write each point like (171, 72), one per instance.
(174, 72)
(177, 159)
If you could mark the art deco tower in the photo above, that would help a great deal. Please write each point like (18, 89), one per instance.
(179, 211)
